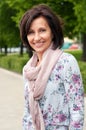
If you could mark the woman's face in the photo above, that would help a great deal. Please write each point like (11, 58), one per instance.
(39, 35)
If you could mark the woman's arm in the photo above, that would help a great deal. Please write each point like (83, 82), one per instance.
(75, 94)
(26, 104)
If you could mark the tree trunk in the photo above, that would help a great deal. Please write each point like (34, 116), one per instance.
(1, 50)
(21, 49)
(5, 49)
(84, 46)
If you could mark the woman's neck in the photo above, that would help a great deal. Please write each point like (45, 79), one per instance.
(39, 57)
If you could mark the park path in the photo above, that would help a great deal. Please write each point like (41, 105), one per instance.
(12, 101)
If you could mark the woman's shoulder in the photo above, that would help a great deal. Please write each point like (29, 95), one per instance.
(67, 60)
(23, 69)
(67, 57)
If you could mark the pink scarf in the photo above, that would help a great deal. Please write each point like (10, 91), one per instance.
(38, 77)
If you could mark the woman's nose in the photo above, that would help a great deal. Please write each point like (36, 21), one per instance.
(36, 37)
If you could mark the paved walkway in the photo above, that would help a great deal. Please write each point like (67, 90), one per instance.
(12, 101)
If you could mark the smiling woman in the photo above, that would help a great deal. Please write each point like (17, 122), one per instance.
(54, 97)
(40, 36)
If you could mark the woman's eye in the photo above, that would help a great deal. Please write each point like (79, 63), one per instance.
(30, 32)
(42, 30)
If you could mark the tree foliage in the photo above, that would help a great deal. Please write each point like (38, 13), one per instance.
(65, 10)
(9, 33)
(80, 12)
(79, 8)
(73, 13)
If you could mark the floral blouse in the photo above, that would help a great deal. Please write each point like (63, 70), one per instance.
(62, 104)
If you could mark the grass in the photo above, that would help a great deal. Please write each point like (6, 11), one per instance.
(15, 62)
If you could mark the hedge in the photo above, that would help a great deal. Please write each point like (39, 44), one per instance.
(15, 62)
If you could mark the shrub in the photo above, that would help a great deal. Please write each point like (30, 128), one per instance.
(83, 72)
(15, 62)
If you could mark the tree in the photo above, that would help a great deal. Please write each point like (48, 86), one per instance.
(80, 12)
(9, 33)
(65, 10)
(72, 11)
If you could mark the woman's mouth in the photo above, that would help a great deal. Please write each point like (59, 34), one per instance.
(40, 44)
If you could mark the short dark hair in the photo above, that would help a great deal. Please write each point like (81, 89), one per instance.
(54, 22)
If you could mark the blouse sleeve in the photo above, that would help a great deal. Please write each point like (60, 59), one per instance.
(26, 103)
(75, 94)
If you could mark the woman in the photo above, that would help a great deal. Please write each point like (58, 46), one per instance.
(53, 83)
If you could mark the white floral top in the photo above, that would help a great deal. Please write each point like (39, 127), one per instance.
(62, 104)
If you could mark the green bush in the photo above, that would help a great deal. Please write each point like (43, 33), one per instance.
(77, 54)
(15, 62)
(83, 72)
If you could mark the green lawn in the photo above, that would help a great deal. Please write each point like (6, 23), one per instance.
(15, 62)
